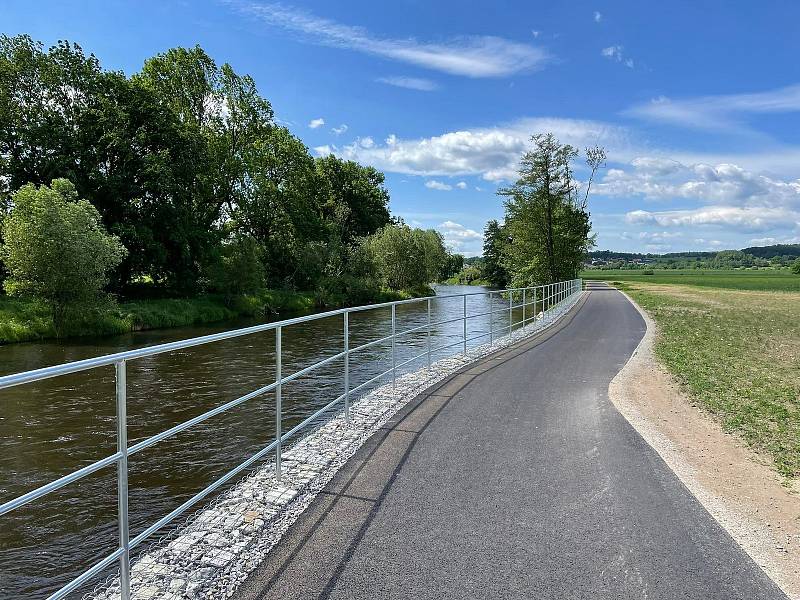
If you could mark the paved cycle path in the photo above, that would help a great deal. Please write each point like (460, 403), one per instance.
(516, 478)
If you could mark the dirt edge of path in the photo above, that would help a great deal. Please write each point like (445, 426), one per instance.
(734, 484)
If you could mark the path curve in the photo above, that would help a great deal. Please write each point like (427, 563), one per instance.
(516, 478)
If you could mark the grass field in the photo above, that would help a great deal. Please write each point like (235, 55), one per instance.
(737, 351)
(765, 279)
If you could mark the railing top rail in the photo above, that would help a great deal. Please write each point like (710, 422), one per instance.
(24, 377)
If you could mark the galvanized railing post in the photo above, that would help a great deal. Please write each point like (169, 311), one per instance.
(347, 366)
(523, 306)
(394, 374)
(122, 481)
(429, 333)
(510, 312)
(278, 399)
(465, 323)
(491, 319)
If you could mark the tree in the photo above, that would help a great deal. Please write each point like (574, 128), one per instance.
(354, 197)
(547, 225)
(796, 266)
(279, 208)
(494, 270)
(238, 270)
(124, 148)
(56, 248)
(406, 258)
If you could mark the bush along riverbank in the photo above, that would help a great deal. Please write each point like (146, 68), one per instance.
(23, 320)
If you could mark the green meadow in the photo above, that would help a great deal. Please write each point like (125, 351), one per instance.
(745, 279)
(732, 339)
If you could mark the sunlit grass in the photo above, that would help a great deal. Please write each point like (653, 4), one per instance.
(745, 279)
(738, 354)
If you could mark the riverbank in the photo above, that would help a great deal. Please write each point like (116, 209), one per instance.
(23, 320)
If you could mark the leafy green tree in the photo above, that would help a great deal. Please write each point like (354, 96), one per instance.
(56, 249)
(238, 269)
(280, 208)
(548, 227)
(355, 198)
(494, 242)
(407, 258)
(126, 153)
(796, 266)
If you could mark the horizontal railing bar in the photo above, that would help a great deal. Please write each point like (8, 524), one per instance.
(139, 446)
(310, 368)
(309, 419)
(201, 494)
(59, 483)
(86, 575)
(373, 380)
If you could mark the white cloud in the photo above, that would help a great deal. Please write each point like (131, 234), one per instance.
(339, 130)
(471, 56)
(366, 142)
(735, 217)
(536, 33)
(411, 83)
(323, 150)
(720, 113)
(617, 54)
(438, 185)
(462, 185)
(597, 16)
(492, 152)
(771, 241)
(315, 123)
(461, 239)
(657, 178)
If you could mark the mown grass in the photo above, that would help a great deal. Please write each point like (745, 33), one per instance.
(745, 279)
(738, 354)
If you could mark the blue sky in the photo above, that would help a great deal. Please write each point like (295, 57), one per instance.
(697, 102)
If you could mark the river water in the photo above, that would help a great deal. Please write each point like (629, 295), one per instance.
(53, 427)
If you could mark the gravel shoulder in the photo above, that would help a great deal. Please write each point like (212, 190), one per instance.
(737, 486)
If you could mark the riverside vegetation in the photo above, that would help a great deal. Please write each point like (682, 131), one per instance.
(173, 196)
(733, 340)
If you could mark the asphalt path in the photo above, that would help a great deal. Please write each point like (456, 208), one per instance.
(516, 478)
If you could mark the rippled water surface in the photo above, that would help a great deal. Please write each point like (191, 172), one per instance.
(53, 427)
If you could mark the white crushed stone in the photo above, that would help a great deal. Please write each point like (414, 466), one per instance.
(212, 553)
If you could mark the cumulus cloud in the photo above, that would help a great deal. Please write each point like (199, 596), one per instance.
(461, 239)
(339, 130)
(316, 123)
(462, 185)
(470, 56)
(411, 83)
(492, 153)
(438, 185)
(616, 53)
(658, 178)
(735, 217)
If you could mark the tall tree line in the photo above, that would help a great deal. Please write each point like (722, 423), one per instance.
(187, 167)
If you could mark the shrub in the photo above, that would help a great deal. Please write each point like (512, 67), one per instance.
(56, 249)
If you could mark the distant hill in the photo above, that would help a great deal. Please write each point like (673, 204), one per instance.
(792, 250)
(753, 257)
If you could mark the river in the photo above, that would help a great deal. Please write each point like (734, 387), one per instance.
(51, 428)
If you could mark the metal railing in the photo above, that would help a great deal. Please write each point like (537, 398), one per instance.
(546, 297)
